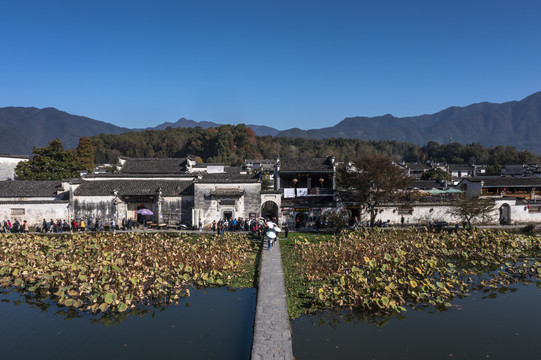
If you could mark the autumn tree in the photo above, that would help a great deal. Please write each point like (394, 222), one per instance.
(84, 153)
(49, 163)
(372, 181)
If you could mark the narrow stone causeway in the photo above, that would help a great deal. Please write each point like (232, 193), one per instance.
(272, 332)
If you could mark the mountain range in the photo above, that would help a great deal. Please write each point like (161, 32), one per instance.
(516, 123)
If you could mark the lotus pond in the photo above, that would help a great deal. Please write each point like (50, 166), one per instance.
(214, 323)
(127, 295)
(414, 295)
(385, 271)
(504, 324)
(117, 272)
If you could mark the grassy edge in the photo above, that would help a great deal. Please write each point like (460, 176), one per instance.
(252, 268)
(298, 296)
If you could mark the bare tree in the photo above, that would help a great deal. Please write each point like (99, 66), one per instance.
(372, 181)
(337, 221)
(470, 209)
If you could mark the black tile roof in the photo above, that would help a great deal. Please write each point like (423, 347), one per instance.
(514, 169)
(29, 188)
(233, 169)
(259, 161)
(531, 181)
(34, 202)
(139, 175)
(460, 167)
(14, 156)
(228, 178)
(418, 167)
(309, 164)
(204, 165)
(134, 187)
(154, 166)
(227, 192)
(427, 184)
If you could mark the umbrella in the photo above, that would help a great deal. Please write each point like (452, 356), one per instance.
(435, 192)
(144, 212)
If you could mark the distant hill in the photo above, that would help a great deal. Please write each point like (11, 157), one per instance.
(22, 128)
(185, 123)
(515, 123)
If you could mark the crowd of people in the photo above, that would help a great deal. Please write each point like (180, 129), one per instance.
(15, 226)
(75, 225)
(257, 227)
(235, 224)
(260, 228)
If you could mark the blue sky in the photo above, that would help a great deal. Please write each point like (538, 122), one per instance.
(306, 64)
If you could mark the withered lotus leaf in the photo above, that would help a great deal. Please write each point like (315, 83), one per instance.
(383, 271)
(106, 272)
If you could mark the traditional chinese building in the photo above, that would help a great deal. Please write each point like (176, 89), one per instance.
(307, 187)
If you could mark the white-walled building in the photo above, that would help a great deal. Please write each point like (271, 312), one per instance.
(8, 163)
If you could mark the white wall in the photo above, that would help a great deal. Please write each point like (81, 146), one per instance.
(426, 213)
(209, 209)
(34, 213)
(7, 167)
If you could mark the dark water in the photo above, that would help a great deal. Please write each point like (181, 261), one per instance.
(210, 324)
(482, 326)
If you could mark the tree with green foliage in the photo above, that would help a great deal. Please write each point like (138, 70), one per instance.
(49, 163)
(494, 170)
(470, 209)
(372, 181)
(231, 144)
(84, 153)
(436, 174)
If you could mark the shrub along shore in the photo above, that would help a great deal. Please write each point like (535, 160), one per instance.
(381, 272)
(115, 272)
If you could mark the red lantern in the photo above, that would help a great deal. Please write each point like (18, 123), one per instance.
(321, 180)
(295, 181)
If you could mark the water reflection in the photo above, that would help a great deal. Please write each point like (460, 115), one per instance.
(214, 323)
(501, 323)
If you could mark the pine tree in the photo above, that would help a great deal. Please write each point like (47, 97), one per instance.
(49, 163)
(85, 154)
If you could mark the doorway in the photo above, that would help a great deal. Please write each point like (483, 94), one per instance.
(269, 210)
(300, 220)
(505, 214)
